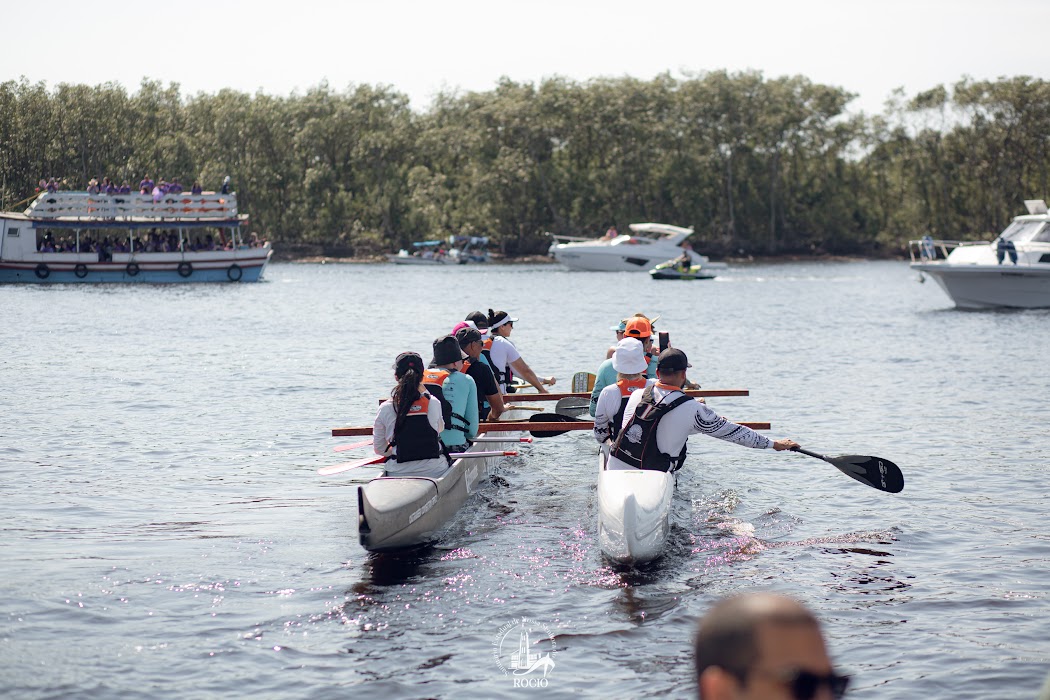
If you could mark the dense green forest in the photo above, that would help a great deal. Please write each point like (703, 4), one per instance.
(757, 166)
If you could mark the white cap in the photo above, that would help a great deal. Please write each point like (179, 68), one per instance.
(629, 357)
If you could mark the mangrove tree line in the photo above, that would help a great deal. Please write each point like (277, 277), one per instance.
(756, 165)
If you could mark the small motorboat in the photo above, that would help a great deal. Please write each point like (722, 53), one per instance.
(1013, 271)
(457, 250)
(672, 270)
(634, 510)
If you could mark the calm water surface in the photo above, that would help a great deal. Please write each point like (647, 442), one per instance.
(164, 532)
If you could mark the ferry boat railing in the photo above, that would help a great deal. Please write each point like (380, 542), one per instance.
(173, 207)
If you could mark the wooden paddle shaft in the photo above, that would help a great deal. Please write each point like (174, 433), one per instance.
(528, 426)
(513, 398)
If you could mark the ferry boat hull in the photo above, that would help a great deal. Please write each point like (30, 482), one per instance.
(138, 270)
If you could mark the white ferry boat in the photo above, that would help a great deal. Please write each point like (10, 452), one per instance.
(71, 237)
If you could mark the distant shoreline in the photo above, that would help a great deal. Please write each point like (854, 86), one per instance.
(547, 260)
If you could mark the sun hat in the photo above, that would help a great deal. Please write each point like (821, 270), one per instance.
(629, 357)
(638, 327)
(468, 324)
(447, 350)
(672, 360)
(498, 318)
(619, 328)
(406, 361)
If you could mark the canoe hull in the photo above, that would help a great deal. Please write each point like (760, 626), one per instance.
(634, 508)
(401, 512)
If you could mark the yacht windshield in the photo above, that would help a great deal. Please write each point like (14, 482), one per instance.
(1025, 231)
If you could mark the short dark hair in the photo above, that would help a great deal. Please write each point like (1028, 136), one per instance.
(726, 636)
(468, 335)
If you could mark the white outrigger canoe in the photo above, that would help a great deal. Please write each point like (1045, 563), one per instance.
(634, 510)
(407, 511)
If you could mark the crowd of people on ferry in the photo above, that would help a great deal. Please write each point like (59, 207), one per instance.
(146, 186)
(153, 242)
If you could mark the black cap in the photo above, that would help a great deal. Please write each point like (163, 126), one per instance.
(672, 360)
(447, 350)
(480, 320)
(466, 336)
(406, 361)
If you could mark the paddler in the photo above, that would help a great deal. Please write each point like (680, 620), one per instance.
(457, 393)
(408, 425)
(504, 358)
(658, 420)
(618, 329)
(480, 321)
(630, 364)
(490, 399)
(640, 328)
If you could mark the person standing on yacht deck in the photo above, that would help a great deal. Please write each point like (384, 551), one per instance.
(408, 425)
(505, 358)
(659, 419)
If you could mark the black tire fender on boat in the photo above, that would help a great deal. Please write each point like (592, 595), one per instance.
(42, 271)
(132, 269)
(185, 269)
(234, 272)
(80, 270)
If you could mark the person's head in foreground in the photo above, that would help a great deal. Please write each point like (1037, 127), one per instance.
(763, 646)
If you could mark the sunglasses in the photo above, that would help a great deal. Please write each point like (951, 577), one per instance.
(805, 684)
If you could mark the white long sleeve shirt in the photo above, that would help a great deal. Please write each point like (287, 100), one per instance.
(383, 432)
(690, 418)
(605, 410)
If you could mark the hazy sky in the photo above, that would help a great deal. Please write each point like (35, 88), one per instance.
(420, 48)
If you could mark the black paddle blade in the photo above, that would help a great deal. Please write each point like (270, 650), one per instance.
(572, 406)
(549, 418)
(876, 472)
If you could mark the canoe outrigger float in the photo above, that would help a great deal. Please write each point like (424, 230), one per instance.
(408, 511)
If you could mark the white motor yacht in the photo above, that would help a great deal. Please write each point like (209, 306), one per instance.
(1013, 271)
(645, 247)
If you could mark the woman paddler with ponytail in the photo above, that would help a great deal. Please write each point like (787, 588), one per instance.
(505, 359)
(408, 425)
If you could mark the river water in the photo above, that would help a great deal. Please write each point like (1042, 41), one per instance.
(164, 531)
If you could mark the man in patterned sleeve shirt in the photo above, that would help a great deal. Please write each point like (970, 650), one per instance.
(659, 419)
